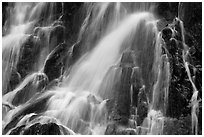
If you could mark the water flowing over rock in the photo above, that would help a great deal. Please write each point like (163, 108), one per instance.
(101, 68)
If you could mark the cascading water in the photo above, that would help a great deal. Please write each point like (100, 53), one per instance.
(194, 99)
(117, 63)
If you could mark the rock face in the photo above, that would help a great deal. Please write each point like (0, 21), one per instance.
(122, 90)
(33, 84)
(113, 129)
(181, 126)
(181, 90)
(137, 83)
(27, 61)
(37, 129)
(56, 36)
(43, 129)
(168, 10)
(179, 83)
(56, 61)
(142, 107)
(123, 96)
(29, 54)
(37, 106)
(14, 80)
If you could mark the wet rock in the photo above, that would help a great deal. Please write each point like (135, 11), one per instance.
(180, 90)
(43, 129)
(77, 52)
(17, 130)
(110, 105)
(180, 126)
(34, 106)
(40, 81)
(30, 86)
(166, 34)
(28, 56)
(142, 107)
(6, 107)
(56, 61)
(66, 131)
(37, 129)
(111, 129)
(52, 84)
(168, 10)
(108, 87)
(127, 131)
(14, 80)
(127, 59)
(123, 99)
(132, 122)
(172, 46)
(190, 13)
(114, 129)
(56, 36)
(123, 96)
(137, 83)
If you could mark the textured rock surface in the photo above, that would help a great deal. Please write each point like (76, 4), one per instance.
(29, 54)
(35, 84)
(114, 129)
(181, 126)
(37, 129)
(37, 106)
(56, 61)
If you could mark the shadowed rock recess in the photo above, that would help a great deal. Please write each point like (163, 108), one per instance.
(102, 68)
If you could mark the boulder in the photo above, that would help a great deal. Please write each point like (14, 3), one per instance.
(56, 36)
(114, 129)
(33, 84)
(43, 129)
(56, 61)
(29, 54)
(14, 80)
(37, 106)
(37, 129)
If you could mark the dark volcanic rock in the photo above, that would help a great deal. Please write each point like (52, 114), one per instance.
(29, 87)
(34, 106)
(167, 34)
(56, 36)
(17, 130)
(56, 61)
(37, 129)
(123, 96)
(113, 129)
(180, 126)
(137, 83)
(43, 129)
(142, 107)
(76, 53)
(168, 10)
(181, 90)
(14, 80)
(29, 54)
(191, 15)
(127, 59)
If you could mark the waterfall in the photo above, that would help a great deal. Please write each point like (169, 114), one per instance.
(92, 76)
